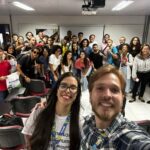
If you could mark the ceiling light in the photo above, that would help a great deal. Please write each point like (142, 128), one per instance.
(23, 6)
(122, 5)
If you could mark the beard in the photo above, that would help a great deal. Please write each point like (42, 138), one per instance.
(106, 115)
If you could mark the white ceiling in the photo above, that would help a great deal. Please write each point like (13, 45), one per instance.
(71, 8)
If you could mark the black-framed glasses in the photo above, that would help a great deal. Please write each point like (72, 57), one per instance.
(65, 86)
(35, 52)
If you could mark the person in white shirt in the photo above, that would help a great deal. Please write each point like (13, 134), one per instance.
(54, 62)
(57, 125)
(141, 72)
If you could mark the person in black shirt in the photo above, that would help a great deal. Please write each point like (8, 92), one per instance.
(29, 65)
(96, 58)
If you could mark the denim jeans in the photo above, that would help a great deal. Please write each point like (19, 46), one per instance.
(84, 81)
(128, 81)
(3, 95)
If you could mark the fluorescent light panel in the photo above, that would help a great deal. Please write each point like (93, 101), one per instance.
(122, 5)
(23, 6)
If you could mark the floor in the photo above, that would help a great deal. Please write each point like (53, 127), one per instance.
(135, 111)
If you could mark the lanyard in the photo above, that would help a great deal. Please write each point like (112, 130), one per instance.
(55, 140)
(99, 140)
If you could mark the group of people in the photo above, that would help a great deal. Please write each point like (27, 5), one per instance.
(70, 67)
(42, 57)
(56, 124)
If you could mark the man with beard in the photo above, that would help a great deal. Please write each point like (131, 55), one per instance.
(96, 57)
(107, 128)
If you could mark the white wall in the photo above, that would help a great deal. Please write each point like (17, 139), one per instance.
(76, 20)
(116, 26)
(4, 20)
(128, 31)
(86, 29)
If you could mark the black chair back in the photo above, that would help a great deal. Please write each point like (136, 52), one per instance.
(22, 106)
(11, 137)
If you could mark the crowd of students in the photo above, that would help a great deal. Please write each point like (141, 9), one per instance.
(66, 66)
(46, 58)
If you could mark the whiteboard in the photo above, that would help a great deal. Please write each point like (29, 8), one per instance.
(86, 29)
(129, 31)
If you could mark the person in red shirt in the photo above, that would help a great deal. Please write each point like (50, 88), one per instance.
(84, 68)
(4, 71)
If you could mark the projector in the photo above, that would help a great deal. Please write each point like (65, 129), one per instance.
(98, 3)
(94, 4)
(91, 6)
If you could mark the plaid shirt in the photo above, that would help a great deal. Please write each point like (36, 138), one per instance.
(120, 135)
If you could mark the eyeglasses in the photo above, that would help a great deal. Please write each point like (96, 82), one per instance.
(64, 87)
(35, 52)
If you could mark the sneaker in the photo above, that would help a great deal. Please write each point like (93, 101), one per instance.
(132, 100)
(148, 102)
(141, 99)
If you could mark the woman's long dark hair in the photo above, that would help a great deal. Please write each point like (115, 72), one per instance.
(85, 59)
(81, 44)
(64, 60)
(43, 126)
(137, 47)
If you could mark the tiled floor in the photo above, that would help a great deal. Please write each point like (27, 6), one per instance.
(134, 111)
(138, 110)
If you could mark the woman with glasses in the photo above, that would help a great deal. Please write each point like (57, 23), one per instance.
(57, 125)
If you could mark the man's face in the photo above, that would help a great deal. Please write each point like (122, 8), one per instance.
(35, 53)
(33, 41)
(92, 38)
(95, 48)
(15, 38)
(50, 41)
(106, 97)
(74, 39)
(80, 36)
(122, 40)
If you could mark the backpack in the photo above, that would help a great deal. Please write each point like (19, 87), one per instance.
(10, 120)
(21, 55)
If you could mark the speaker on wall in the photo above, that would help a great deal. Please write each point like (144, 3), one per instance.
(98, 3)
